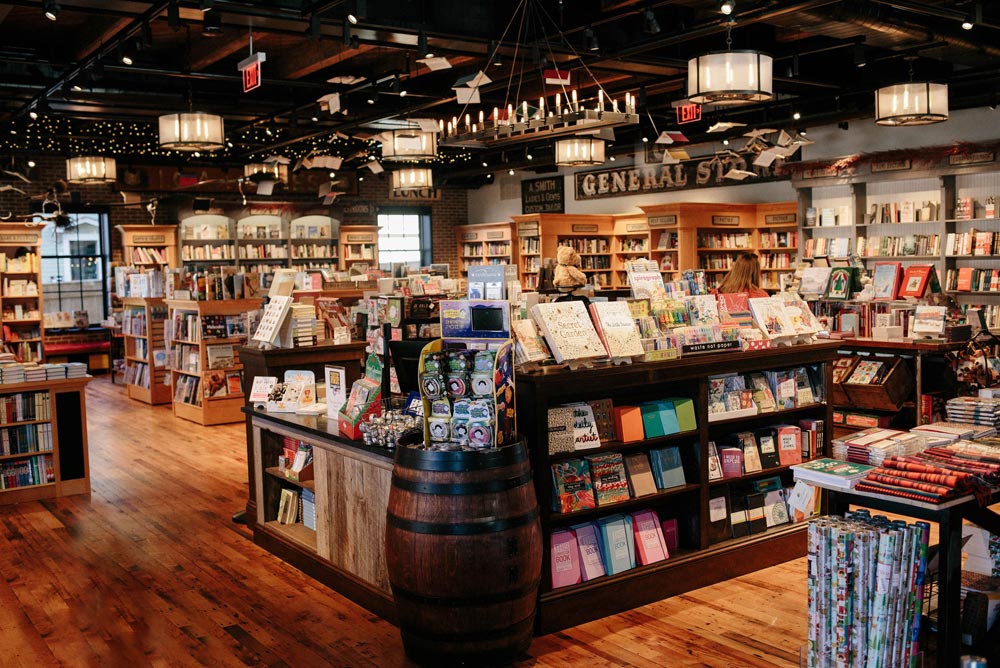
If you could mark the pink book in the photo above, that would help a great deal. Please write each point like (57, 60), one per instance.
(670, 534)
(732, 462)
(649, 542)
(565, 559)
(789, 445)
(591, 563)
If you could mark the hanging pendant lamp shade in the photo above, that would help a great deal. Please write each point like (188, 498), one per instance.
(730, 77)
(410, 145)
(911, 103)
(579, 151)
(267, 170)
(192, 131)
(412, 178)
(91, 169)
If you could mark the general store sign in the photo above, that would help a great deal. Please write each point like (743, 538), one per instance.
(707, 173)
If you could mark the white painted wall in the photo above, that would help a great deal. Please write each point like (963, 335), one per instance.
(485, 204)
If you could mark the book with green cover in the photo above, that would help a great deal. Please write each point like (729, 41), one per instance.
(827, 472)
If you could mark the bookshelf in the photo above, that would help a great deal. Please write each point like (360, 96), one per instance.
(701, 558)
(529, 254)
(261, 243)
(489, 243)
(149, 246)
(207, 240)
(52, 427)
(632, 242)
(777, 242)
(21, 306)
(312, 242)
(590, 235)
(206, 374)
(146, 361)
(358, 245)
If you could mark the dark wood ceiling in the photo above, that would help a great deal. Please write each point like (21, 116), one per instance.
(829, 58)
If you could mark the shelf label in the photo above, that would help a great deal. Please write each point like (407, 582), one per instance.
(19, 238)
(710, 347)
(585, 227)
(149, 239)
(636, 227)
(976, 158)
(359, 238)
(662, 221)
(779, 218)
(891, 166)
(495, 235)
(470, 236)
(732, 221)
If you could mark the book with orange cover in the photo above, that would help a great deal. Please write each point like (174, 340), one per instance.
(915, 280)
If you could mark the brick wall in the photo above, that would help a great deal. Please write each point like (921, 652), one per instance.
(449, 210)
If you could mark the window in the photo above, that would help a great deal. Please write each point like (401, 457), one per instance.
(74, 265)
(404, 237)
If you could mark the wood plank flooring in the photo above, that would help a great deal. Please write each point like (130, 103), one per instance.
(150, 571)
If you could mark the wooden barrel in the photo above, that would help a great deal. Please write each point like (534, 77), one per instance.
(463, 547)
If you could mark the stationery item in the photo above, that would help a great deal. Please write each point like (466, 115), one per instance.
(775, 510)
(886, 278)
(731, 459)
(769, 457)
(629, 423)
(814, 282)
(755, 512)
(640, 475)
(670, 537)
(789, 445)
(719, 527)
(603, 412)
(841, 283)
(684, 408)
(530, 345)
(565, 559)
(751, 455)
(617, 543)
(734, 309)
(649, 542)
(652, 423)
(616, 328)
(739, 521)
(830, 473)
(714, 464)
(668, 468)
(769, 314)
(573, 487)
(589, 543)
(568, 330)
(702, 310)
(585, 436)
(560, 429)
(668, 417)
(610, 481)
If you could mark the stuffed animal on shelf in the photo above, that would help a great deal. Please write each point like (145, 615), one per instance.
(567, 275)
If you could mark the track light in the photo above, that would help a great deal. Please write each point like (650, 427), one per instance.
(967, 24)
(649, 23)
(315, 26)
(422, 48)
(51, 9)
(359, 12)
(590, 40)
(211, 25)
(860, 59)
(124, 57)
(174, 17)
(207, 5)
(510, 172)
(727, 7)
(373, 95)
(33, 115)
(796, 116)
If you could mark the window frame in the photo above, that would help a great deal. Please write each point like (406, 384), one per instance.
(424, 222)
(57, 291)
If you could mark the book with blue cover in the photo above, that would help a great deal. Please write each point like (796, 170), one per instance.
(668, 469)
(617, 543)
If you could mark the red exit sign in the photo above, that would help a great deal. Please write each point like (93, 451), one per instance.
(250, 68)
(688, 113)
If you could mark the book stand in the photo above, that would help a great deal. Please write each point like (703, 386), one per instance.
(619, 361)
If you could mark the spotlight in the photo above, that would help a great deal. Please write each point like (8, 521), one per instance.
(51, 9)
(611, 158)
(33, 114)
(360, 10)
(802, 132)
(315, 26)
(510, 172)
(725, 142)
(422, 48)
(485, 164)
(353, 19)
(727, 7)
(796, 116)
(650, 25)
(590, 40)
(207, 5)
(333, 175)
(124, 57)
(860, 59)
(211, 25)
(967, 24)
(645, 140)
(529, 156)
(31, 164)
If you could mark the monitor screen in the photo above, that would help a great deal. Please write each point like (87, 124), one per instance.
(487, 319)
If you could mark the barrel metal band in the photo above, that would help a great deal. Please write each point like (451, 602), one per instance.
(467, 601)
(423, 635)
(462, 528)
(423, 460)
(461, 488)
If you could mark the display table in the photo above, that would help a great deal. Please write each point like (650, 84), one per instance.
(346, 552)
(948, 516)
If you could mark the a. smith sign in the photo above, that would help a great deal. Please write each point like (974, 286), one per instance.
(707, 173)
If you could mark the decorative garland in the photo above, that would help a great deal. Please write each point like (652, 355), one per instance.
(927, 156)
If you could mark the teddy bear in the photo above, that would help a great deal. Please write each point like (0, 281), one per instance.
(567, 275)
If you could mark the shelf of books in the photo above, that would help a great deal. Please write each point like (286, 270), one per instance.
(485, 244)
(656, 480)
(146, 362)
(149, 246)
(207, 239)
(632, 242)
(529, 263)
(312, 243)
(261, 243)
(206, 374)
(43, 450)
(358, 245)
(21, 305)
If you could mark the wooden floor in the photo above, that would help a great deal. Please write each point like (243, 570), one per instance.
(149, 570)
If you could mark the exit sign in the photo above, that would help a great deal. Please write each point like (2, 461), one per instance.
(688, 113)
(250, 67)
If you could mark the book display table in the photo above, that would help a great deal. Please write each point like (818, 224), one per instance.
(948, 517)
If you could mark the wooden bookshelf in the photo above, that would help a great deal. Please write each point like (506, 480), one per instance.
(149, 246)
(207, 240)
(202, 394)
(21, 299)
(489, 243)
(358, 245)
(62, 414)
(632, 242)
(262, 243)
(146, 365)
(591, 235)
(529, 246)
(312, 243)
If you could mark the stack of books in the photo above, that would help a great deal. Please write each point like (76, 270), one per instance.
(871, 446)
(76, 370)
(303, 325)
(974, 410)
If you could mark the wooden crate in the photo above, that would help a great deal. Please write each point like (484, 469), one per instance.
(889, 395)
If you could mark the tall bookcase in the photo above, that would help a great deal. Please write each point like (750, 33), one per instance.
(146, 361)
(529, 253)
(590, 235)
(358, 245)
(777, 242)
(488, 243)
(702, 558)
(261, 243)
(21, 306)
(312, 242)
(632, 242)
(149, 246)
(208, 388)
(47, 424)
(207, 240)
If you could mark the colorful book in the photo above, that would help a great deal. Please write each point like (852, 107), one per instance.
(769, 457)
(702, 310)
(886, 279)
(573, 487)
(604, 418)
(668, 469)
(775, 509)
(530, 346)
(762, 394)
(719, 528)
(828, 472)
(617, 543)
(589, 543)
(640, 475)
(684, 408)
(670, 536)
(560, 429)
(751, 455)
(568, 330)
(769, 314)
(714, 464)
(789, 445)
(734, 309)
(814, 281)
(731, 459)
(610, 481)
(616, 328)
(565, 559)
(649, 543)
(916, 280)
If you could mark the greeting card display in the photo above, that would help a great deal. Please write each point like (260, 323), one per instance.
(886, 279)
(841, 280)
(364, 400)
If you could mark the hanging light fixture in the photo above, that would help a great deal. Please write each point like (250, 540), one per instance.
(412, 178)
(579, 151)
(192, 131)
(911, 103)
(730, 77)
(266, 171)
(409, 144)
(91, 169)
